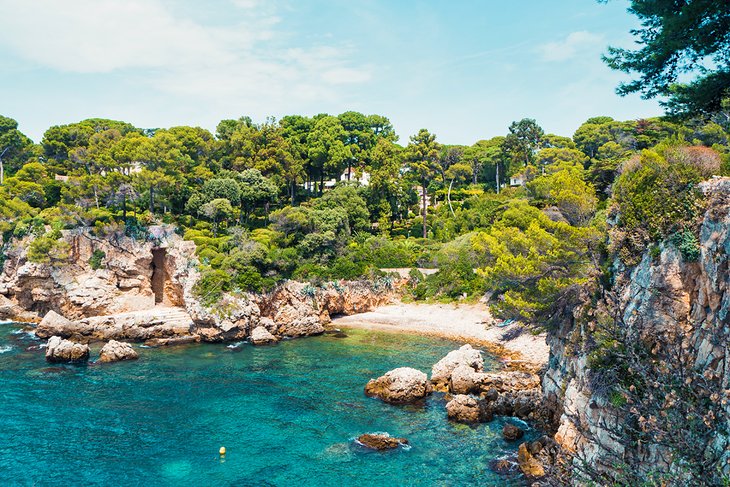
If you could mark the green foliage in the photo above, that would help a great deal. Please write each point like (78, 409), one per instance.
(211, 286)
(687, 244)
(96, 261)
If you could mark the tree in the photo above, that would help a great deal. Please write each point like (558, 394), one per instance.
(255, 190)
(327, 148)
(14, 146)
(217, 210)
(457, 172)
(422, 155)
(524, 140)
(678, 37)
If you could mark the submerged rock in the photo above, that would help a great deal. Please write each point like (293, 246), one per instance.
(467, 409)
(115, 351)
(380, 441)
(511, 432)
(261, 336)
(400, 386)
(466, 356)
(60, 350)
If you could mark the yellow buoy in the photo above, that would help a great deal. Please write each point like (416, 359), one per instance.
(222, 451)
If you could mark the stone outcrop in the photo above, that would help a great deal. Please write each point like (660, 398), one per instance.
(465, 356)
(122, 283)
(529, 465)
(666, 304)
(60, 350)
(262, 336)
(511, 432)
(380, 441)
(400, 386)
(463, 408)
(115, 351)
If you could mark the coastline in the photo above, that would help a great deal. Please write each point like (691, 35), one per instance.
(469, 323)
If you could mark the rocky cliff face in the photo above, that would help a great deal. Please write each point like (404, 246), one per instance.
(143, 290)
(661, 399)
(123, 281)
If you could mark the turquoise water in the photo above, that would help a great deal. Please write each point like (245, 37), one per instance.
(287, 415)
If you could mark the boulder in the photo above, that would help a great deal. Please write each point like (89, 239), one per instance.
(466, 355)
(268, 323)
(400, 386)
(309, 325)
(261, 336)
(54, 324)
(380, 441)
(115, 351)
(528, 464)
(60, 350)
(467, 409)
(511, 432)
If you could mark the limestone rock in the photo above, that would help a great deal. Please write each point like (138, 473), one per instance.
(400, 386)
(261, 336)
(54, 324)
(511, 432)
(115, 351)
(380, 441)
(60, 350)
(310, 325)
(528, 464)
(467, 409)
(466, 355)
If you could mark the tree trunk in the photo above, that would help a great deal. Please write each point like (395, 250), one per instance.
(152, 199)
(321, 183)
(293, 191)
(423, 187)
(96, 197)
(448, 197)
(124, 207)
(349, 169)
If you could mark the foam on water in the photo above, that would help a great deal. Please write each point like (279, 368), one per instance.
(5, 348)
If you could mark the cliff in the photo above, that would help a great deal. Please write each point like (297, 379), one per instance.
(639, 377)
(122, 288)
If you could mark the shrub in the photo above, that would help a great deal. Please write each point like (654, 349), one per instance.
(687, 244)
(211, 286)
(96, 259)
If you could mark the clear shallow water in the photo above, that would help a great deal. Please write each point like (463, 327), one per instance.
(287, 415)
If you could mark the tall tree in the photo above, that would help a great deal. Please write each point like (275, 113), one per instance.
(678, 37)
(523, 140)
(14, 146)
(422, 155)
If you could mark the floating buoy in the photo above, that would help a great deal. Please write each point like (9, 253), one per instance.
(222, 451)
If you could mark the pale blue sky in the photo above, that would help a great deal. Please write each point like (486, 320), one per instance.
(462, 69)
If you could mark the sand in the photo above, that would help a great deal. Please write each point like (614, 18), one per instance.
(470, 323)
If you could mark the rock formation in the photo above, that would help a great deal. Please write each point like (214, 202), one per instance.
(400, 386)
(467, 409)
(380, 441)
(511, 432)
(262, 336)
(465, 356)
(675, 311)
(60, 350)
(115, 351)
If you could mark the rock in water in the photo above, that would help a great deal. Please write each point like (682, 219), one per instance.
(467, 409)
(380, 441)
(528, 464)
(54, 324)
(60, 350)
(466, 355)
(115, 351)
(261, 336)
(400, 386)
(511, 432)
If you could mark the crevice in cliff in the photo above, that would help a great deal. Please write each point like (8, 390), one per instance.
(159, 275)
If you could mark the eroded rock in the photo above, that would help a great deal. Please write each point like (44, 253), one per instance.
(60, 350)
(380, 441)
(465, 356)
(400, 386)
(467, 409)
(261, 336)
(511, 432)
(115, 351)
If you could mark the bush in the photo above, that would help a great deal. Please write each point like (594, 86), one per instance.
(211, 286)
(96, 259)
(687, 244)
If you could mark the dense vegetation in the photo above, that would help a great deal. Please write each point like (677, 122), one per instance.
(328, 197)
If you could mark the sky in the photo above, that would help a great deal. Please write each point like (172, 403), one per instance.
(462, 69)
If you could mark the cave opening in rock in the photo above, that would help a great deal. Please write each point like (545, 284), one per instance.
(158, 274)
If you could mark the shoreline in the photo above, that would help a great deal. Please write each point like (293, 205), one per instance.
(468, 323)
